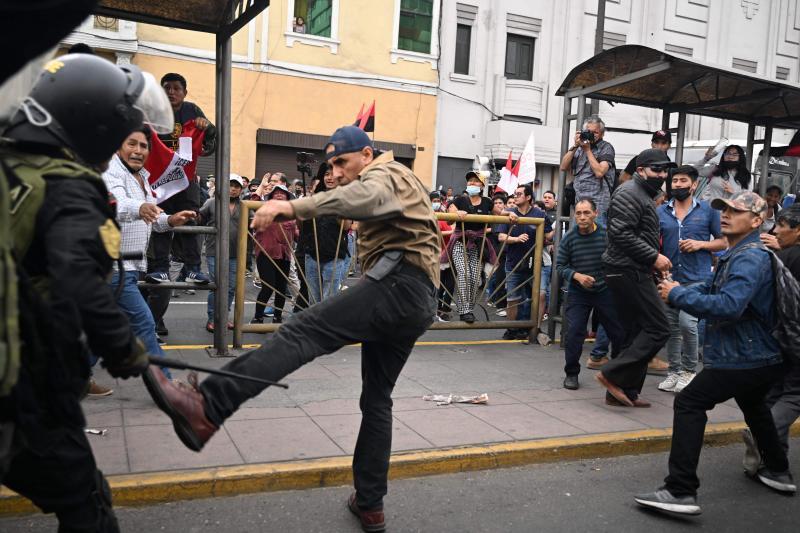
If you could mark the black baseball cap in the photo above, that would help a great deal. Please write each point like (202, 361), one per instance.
(347, 139)
(662, 135)
(652, 157)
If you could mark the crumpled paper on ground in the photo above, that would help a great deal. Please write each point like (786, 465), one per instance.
(447, 399)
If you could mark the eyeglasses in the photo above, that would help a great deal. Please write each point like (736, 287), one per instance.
(519, 194)
(658, 168)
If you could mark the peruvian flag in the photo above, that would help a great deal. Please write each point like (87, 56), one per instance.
(368, 119)
(171, 172)
(508, 176)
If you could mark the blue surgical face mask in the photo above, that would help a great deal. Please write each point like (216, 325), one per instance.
(437, 206)
(473, 190)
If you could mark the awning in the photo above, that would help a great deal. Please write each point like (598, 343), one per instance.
(643, 76)
(224, 17)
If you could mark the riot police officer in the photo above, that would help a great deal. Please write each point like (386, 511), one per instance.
(78, 113)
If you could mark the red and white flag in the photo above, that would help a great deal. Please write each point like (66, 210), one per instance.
(508, 178)
(527, 163)
(171, 172)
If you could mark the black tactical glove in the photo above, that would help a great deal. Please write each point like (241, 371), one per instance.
(133, 365)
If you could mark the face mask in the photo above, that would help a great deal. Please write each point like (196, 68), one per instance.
(728, 165)
(655, 183)
(473, 190)
(681, 194)
(436, 206)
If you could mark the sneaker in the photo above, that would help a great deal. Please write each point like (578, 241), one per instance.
(190, 292)
(210, 326)
(571, 382)
(257, 283)
(248, 273)
(197, 278)
(441, 318)
(156, 277)
(663, 500)
(269, 311)
(543, 339)
(161, 329)
(523, 334)
(684, 379)
(277, 320)
(160, 341)
(780, 481)
(257, 320)
(509, 335)
(595, 364)
(370, 520)
(669, 384)
(99, 390)
(469, 318)
(752, 456)
(502, 312)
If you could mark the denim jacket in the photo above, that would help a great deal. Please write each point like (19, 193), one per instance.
(737, 304)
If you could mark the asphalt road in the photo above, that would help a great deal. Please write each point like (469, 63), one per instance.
(586, 496)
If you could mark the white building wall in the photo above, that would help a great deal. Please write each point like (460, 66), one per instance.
(763, 33)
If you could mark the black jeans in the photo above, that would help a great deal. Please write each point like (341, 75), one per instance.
(641, 312)
(784, 399)
(710, 387)
(272, 277)
(161, 243)
(387, 317)
(579, 304)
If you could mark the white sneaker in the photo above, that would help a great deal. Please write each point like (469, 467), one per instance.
(501, 312)
(684, 379)
(669, 384)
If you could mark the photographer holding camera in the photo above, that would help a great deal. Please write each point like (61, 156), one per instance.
(591, 161)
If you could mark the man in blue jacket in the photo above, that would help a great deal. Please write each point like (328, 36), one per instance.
(741, 359)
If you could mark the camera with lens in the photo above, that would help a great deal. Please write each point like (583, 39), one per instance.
(304, 161)
(587, 136)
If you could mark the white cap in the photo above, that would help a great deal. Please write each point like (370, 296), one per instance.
(238, 179)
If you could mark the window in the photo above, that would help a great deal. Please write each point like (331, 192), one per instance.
(519, 57)
(313, 17)
(416, 26)
(463, 43)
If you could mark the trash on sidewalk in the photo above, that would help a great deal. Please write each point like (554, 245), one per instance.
(93, 431)
(447, 399)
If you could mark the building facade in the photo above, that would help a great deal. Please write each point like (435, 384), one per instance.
(301, 69)
(503, 60)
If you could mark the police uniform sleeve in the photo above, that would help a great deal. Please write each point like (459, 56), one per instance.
(79, 244)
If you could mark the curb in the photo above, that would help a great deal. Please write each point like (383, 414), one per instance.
(160, 487)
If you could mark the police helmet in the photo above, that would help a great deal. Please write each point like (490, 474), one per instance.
(90, 105)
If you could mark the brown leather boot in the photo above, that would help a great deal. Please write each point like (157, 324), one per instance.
(184, 404)
(370, 520)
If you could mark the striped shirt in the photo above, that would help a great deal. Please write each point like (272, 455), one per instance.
(582, 254)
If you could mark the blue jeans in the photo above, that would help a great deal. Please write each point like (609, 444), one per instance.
(579, 304)
(600, 344)
(133, 304)
(519, 295)
(212, 273)
(328, 279)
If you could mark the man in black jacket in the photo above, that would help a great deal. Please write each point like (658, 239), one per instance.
(631, 257)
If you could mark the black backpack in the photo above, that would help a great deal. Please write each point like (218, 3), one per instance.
(786, 329)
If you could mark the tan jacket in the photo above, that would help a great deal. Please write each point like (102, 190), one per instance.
(395, 213)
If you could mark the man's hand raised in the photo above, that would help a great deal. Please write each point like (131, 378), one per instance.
(181, 217)
(267, 213)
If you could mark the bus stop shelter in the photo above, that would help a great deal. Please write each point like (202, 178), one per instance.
(642, 76)
(223, 18)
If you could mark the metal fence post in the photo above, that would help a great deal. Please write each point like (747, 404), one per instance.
(241, 259)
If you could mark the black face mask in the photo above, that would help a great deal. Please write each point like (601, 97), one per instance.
(728, 165)
(655, 183)
(681, 194)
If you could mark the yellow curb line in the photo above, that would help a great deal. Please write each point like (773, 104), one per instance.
(170, 486)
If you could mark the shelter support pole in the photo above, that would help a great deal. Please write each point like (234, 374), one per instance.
(681, 137)
(241, 259)
(222, 171)
(567, 133)
(751, 138)
(665, 120)
(762, 182)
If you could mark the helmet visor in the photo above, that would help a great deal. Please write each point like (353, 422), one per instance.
(154, 105)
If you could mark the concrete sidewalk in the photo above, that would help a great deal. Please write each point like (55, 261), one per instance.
(319, 417)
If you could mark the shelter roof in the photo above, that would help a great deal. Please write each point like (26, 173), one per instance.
(642, 76)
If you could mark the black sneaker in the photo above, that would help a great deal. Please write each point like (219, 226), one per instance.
(522, 334)
(571, 382)
(780, 481)
(160, 341)
(469, 318)
(257, 320)
(509, 335)
(663, 500)
(161, 329)
(277, 320)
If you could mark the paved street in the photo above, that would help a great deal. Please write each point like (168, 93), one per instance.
(592, 495)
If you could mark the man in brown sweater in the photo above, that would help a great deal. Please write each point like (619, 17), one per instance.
(386, 311)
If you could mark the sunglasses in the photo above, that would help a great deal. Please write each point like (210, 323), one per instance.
(659, 168)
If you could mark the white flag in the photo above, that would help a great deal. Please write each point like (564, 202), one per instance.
(527, 165)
